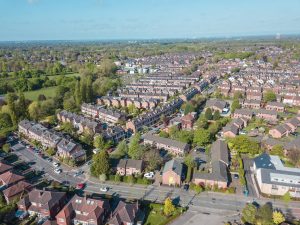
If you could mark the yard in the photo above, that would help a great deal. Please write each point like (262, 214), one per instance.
(154, 214)
(33, 95)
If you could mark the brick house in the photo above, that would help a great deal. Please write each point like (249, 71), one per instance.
(243, 113)
(9, 179)
(187, 121)
(218, 174)
(279, 131)
(44, 204)
(125, 214)
(173, 173)
(69, 149)
(83, 210)
(275, 106)
(172, 146)
(16, 191)
(267, 115)
(126, 167)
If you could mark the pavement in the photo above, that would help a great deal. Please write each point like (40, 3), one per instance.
(155, 193)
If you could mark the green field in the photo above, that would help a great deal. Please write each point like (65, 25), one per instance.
(33, 95)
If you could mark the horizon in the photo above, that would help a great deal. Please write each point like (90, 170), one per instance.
(37, 20)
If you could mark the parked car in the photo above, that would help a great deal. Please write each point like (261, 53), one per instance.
(149, 175)
(80, 186)
(104, 189)
(58, 170)
(186, 187)
(49, 159)
(55, 164)
(78, 173)
(235, 176)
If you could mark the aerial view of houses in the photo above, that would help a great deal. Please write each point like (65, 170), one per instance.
(149, 112)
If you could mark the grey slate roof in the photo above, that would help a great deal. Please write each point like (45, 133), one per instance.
(219, 152)
(165, 141)
(173, 165)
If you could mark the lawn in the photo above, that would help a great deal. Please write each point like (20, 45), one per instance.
(33, 95)
(154, 215)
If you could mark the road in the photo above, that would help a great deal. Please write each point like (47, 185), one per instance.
(210, 200)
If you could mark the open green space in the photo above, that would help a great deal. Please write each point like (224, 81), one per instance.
(154, 215)
(33, 95)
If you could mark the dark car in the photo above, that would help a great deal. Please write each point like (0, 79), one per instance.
(186, 187)
(235, 176)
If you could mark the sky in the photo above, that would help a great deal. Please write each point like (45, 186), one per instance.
(145, 19)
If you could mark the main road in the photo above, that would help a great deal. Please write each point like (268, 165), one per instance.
(211, 200)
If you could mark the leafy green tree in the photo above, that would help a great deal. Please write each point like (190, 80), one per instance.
(135, 150)
(278, 217)
(185, 136)
(100, 164)
(99, 142)
(264, 214)
(249, 214)
(34, 110)
(235, 105)
(83, 90)
(89, 90)
(5, 120)
(188, 108)
(22, 106)
(6, 148)
(122, 148)
(77, 93)
(202, 137)
(216, 115)
(277, 150)
(287, 197)
(243, 144)
(169, 208)
(208, 114)
(106, 68)
(202, 122)
(10, 98)
(189, 161)
(269, 96)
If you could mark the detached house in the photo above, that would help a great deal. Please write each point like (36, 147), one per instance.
(173, 173)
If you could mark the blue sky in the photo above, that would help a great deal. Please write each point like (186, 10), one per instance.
(137, 19)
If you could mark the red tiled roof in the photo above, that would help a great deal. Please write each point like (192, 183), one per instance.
(8, 178)
(16, 189)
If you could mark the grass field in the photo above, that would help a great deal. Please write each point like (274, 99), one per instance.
(33, 95)
(154, 215)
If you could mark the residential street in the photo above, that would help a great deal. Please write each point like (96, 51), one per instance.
(209, 200)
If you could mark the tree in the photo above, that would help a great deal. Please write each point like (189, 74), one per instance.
(287, 197)
(208, 114)
(188, 108)
(134, 148)
(6, 148)
(122, 148)
(163, 134)
(77, 93)
(153, 159)
(277, 150)
(249, 214)
(22, 106)
(169, 208)
(5, 120)
(278, 217)
(99, 142)
(202, 137)
(83, 90)
(34, 110)
(217, 115)
(189, 161)
(243, 144)
(235, 105)
(269, 96)
(89, 90)
(12, 108)
(107, 67)
(202, 122)
(264, 214)
(100, 164)
(50, 151)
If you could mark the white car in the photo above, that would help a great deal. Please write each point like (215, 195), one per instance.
(104, 189)
(55, 164)
(57, 170)
(149, 175)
